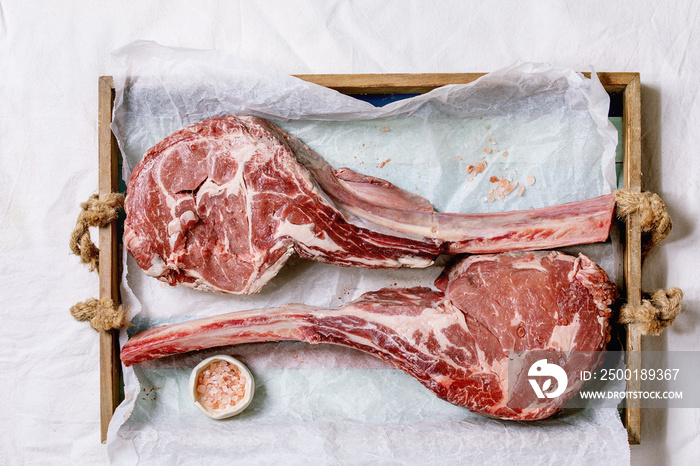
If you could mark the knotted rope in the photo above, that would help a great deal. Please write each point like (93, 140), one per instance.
(654, 314)
(654, 219)
(663, 306)
(102, 314)
(96, 213)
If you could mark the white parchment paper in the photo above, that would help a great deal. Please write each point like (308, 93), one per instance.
(332, 405)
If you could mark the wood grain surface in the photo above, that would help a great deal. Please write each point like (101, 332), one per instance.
(110, 366)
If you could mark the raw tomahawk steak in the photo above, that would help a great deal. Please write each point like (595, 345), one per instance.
(222, 204)
(455, 341)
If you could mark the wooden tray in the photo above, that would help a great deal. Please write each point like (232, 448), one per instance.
(626, 85)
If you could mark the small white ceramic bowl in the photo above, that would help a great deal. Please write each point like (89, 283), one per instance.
(235, 409)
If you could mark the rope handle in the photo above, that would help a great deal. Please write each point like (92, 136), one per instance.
(658, 310)
(96, 212)
(654, 314)
(654, 218)
(102, 314)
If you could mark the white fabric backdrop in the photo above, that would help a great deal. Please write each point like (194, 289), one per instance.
(51, 54)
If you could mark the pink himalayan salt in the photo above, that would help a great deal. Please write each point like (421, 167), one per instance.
(221, 385)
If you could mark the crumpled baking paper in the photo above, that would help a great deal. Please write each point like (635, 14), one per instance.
(325, 404)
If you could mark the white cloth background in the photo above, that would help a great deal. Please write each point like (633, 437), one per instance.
(51, 54)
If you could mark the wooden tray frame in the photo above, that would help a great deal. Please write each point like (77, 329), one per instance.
(110, 266)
